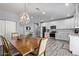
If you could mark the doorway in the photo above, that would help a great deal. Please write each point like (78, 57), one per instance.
(43, 31)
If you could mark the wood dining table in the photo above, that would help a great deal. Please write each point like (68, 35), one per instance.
(25, 46)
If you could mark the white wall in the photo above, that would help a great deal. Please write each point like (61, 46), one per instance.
(34, 29)
(9, 16)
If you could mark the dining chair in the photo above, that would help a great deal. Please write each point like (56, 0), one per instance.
(14, 35)
(7, 51)
(41, 51)
(27, 54)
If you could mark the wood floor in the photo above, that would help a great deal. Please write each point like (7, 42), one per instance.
(57, 48)
(54, 48)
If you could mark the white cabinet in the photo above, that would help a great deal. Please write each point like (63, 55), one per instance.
(63, 34)
(65, 24)
(64, 28)
(74, 44)
(60, 24)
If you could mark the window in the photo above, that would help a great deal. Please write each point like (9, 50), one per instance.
(10, 27)
(2, 27)
(7, 27)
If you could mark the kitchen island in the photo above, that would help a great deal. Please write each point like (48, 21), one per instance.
(74, 44)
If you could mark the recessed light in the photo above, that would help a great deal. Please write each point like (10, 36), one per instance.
(43, 12)
(66, 4)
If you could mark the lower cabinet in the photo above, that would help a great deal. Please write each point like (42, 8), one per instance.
(63, 34)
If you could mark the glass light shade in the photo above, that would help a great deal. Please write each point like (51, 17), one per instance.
(24, 19)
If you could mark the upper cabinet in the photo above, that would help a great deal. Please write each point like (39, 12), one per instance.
(76, 16)
(61, 24)
(65, 24)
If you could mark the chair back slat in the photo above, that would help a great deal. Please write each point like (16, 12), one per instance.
(6, 49)
(42, 46)
(14, 35)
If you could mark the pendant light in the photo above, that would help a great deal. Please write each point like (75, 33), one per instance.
(24, 19)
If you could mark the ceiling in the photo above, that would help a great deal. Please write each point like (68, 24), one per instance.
(36, 10)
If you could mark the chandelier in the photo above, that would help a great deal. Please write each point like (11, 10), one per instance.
(24, 19)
